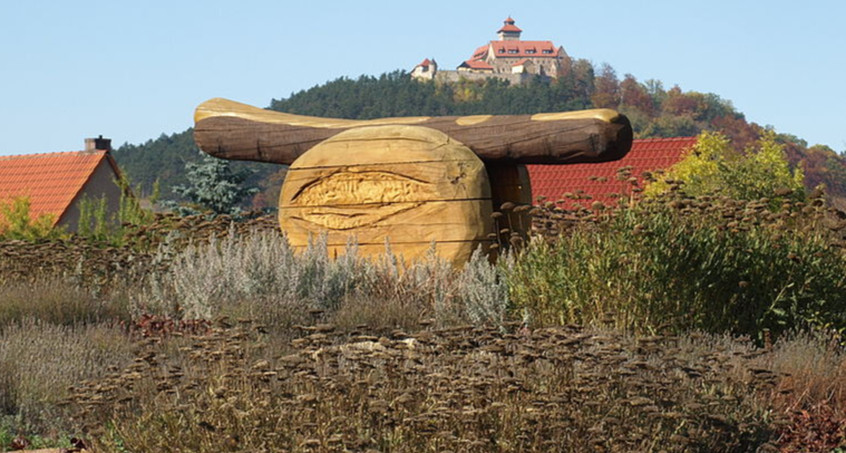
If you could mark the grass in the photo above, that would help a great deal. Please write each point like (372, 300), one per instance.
(59, 301)
(39, 361)
(684, 263)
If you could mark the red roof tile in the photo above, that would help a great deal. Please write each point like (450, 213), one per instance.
(480, 52)
(425, 63)
(599, 181)
(510, 28)
(51, 181)
(476, 64)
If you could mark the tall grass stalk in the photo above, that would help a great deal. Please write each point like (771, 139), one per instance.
(58, 301)
(40, 360)
(685, 265)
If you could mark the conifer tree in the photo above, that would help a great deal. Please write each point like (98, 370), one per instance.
(213, 187)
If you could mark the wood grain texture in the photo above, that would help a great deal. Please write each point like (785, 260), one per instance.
(232, 130)
(411, 186)
(510, 184)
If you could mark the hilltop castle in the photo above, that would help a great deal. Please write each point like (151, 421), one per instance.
(507, 58)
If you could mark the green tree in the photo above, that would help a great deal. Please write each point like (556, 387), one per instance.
(17, 223)
(213, 186)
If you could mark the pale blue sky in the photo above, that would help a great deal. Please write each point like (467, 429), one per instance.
(132, 71)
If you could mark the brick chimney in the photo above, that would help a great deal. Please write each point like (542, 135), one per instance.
(98, 144)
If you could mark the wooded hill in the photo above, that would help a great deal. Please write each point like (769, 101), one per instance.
(653, 110)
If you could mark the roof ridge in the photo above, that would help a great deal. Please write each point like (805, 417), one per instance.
(521, 41)
(24, 156)
(665, 139)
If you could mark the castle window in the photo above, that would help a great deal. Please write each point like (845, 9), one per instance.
(547, 51)
(513, 51)
(531, 51)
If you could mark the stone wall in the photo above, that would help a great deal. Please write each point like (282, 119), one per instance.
(455, 76)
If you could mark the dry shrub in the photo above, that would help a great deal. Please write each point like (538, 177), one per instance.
(76, 259)
(459, 389)
(379, 316)
(40, 360)
(58, 301)
(811, 393)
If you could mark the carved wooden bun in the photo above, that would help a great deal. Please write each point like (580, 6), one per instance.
(410, 185)
(232, 130)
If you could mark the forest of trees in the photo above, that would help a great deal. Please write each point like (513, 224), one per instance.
(653, 110)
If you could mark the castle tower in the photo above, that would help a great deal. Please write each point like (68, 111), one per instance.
(509, 31)
(425, 70)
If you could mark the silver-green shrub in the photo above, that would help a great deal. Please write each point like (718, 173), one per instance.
(260, 273)
(483, 291)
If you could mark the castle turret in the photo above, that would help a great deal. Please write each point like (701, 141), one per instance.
(425, 70)
(509, 31)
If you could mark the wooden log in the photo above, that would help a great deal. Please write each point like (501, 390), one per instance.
(232, 130)
(411, 186)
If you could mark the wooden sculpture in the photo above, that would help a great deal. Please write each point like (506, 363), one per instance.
(411, 181)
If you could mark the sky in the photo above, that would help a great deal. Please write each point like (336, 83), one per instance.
(132, 71)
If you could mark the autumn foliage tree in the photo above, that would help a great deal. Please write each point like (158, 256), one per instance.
(606, 88)
(635, 95)
(714, 167)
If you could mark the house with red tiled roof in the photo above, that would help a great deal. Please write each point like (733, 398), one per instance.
(603, 182)
(508, 58)
(55, 183)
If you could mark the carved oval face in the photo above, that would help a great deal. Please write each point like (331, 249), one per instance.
(407, 185)
(349, 199)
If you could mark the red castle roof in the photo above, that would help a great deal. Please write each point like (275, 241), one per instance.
(480, 52)
(522, 49)
(599, 181)
(476, 64)
(510, 28)
(51, 181)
